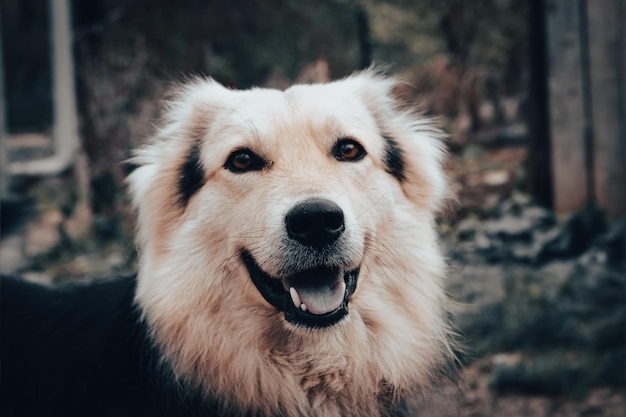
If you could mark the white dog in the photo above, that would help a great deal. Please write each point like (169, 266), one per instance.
(289, 264)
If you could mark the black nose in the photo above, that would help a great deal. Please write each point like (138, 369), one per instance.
(315, 222)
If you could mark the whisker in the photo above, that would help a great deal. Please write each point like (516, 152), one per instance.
(379, 244)
(372, 205)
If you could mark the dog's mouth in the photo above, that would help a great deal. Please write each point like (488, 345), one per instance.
(317, 297)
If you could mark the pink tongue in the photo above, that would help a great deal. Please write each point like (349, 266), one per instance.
(322, 300)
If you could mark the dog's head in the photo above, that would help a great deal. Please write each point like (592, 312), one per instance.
(293, 222)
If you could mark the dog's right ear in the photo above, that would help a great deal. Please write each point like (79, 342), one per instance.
(169, 169)
(175, 147)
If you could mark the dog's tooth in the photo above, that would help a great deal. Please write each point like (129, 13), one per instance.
(303, 307)
(294, 296)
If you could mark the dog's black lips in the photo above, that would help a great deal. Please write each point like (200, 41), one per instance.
(273, 291)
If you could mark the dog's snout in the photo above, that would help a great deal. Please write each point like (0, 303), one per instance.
(315, 222)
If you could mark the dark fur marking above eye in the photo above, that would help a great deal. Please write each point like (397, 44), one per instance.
(394, 159)
(190, 176)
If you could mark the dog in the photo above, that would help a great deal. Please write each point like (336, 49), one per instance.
(289, 266)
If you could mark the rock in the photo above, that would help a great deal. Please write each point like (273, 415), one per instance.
(497, 178)
(552, 374)
(518, 232)
(574, 237)
(514, 204)
(522, 232)
(536, 251)
(43, 234)
(12, 254)
(541, 217)
(514, 134)
(37, 277)
(613, 242)
(510, 228)
(466, 229)
(79, 223)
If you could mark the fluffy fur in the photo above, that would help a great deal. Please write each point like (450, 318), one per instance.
(198, 320)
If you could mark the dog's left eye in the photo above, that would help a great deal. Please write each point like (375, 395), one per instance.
(348, 150)
(244, 160)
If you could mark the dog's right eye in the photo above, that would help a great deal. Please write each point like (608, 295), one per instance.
(244, 160)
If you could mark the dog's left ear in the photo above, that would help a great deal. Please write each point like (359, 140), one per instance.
(414, 150)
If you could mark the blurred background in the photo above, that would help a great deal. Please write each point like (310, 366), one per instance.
(532, 94)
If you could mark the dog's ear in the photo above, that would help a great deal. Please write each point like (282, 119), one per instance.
(175, 147)
(169, 168)
(414, 150)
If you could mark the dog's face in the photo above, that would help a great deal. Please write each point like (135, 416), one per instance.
(295, 221)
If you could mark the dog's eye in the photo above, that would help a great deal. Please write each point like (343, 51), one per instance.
(348, 150)
(244, 160)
